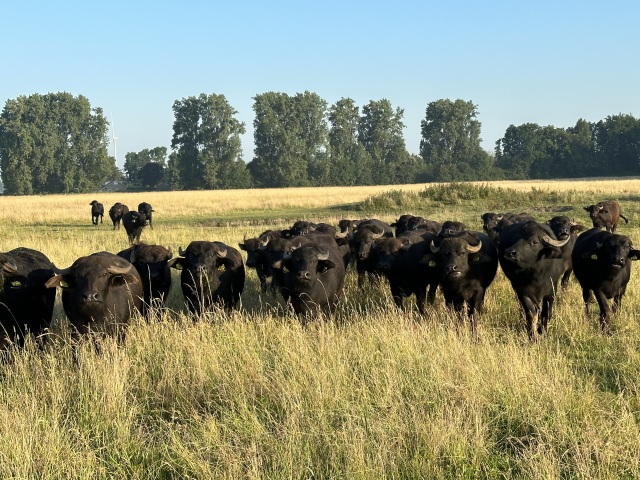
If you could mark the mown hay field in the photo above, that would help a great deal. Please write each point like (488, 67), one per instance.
(373, 393)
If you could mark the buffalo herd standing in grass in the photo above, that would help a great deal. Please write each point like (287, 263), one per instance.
(306, 264)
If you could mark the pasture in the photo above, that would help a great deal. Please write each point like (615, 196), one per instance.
(374, 393)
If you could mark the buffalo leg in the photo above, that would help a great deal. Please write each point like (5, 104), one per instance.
(531, 313)
(605, 310)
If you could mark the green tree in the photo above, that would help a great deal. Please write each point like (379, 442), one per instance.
(53, 143)
(617, 143)
(450, 144)
(349, 162)
(380, 133)
(206, 142)
(151, 174)
(290, 137)
(135, 161)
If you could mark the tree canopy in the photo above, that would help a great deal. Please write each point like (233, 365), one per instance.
(53, 143)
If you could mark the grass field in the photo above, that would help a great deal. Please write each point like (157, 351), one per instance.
(374, 393)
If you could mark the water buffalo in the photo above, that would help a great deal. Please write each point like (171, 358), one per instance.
(606, 214)
(116, 212)
(97, 210)
(398, 258)
(451, 228)
(361, 241)
(420, 223)
(212, 274)
(467, 264)
(313, 279)
(134, 223)
(152, 263)
(26, 305)
(257, 258)
(494, 223)
(99, 293)
(531, 259)
(602, 265)
(147, 210)
(563, 227)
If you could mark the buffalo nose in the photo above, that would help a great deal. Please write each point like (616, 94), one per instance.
(304, 275)
(510, 253)
(91, 296)
(452, 268)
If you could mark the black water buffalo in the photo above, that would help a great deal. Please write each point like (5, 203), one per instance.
(134, 223)
(420, 223)
(563, 227)
(116, 212)
(147, 210)
(152, 263)
(361, 241)
(531, 259)
(467, 264)
(97, 210)
(212, 274)
(313, 279)
(26, 305)
(451, 228)
(100, 292)
(398, 259)
(494, 223)
(348, 226)
(602, 265)
(401, 224)
(257, 258)
(606, 214)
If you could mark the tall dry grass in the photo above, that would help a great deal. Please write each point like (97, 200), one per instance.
(373, 393)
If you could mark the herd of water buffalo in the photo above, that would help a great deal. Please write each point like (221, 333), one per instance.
(306, 264)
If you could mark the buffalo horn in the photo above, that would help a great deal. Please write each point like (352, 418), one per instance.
(433, 247)
(555, 243)
(473, 248)
(323, 255)
(117, 270)
(341, 235)
(181, 252)
(264, 242)
(378, 235)
(222, 253)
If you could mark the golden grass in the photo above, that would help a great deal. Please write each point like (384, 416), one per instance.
(375, 393)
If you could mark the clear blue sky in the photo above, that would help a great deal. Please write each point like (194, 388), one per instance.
(545, 62)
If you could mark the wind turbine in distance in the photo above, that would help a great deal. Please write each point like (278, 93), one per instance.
(114, 138)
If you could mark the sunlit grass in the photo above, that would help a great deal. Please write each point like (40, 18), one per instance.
(373, 393)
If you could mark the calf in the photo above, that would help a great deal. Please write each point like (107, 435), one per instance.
(152, 263)
(602, 265)
(116, 212)
(147, 210)
(212, 274)
(531, 259)
(257, 258)
(134, 223)
(361, 241)
(313, 280)
(467, 265)
(606, 214)
(99, 293)
(26, 305)
(97, 211)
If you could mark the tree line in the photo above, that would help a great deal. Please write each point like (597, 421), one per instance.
(57, 143)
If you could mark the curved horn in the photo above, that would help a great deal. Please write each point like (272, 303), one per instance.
(555, 243)
(117, 270)
(222, 253)
(474, 248)
(181, 252)
(378, 235)
(341, 234)
(323, 255)
(295, 247)
(433, 247)
(264, 242)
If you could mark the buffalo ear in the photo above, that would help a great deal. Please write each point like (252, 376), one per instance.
(176, 263)
(634, 255)
(56, 281)
(125, 278)
(243, 246)
(7, 265)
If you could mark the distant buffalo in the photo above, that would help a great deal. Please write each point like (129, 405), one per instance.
(134, 223)
(606, 214)
(147, 210)
(116, 212)
(100, 292)
(26, 305)
(97, 211)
